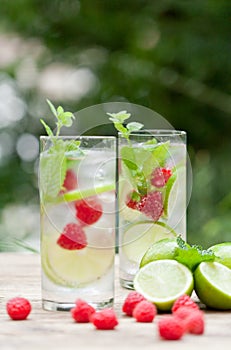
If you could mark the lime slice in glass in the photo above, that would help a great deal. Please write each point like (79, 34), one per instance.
(222, 253)
(213, 285)
(140, 236)
(176, 183)
(163, 281)
(163, 249)
(74, 268)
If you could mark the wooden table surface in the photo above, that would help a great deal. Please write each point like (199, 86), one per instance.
(20, 276)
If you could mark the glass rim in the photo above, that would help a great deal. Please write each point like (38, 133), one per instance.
(96, 137)
(157, 132)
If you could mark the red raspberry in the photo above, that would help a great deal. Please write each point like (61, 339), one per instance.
(195, 322)
(193, 318)
(82, 312)
(133, 200)
(70, 181)
(160, 176)
(132, 299)
(144, 311)
(73, 237)
(104, 319)
(18, 308)
(88, 211)
(152, 205)
(171, 327)
(183, 312)
(184, 300)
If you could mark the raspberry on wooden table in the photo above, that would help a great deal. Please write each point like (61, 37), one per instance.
(184, 300)
(18, 308)
(171, 327)
(144, 311)
(104, 319)
(132, 299)
(82, 311)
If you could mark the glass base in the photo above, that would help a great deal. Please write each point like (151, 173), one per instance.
(57, 306)
(128, 284)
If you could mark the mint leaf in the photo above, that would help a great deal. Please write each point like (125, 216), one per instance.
(191, 256)
(65, 118)
(119, 117)
(53, 110)
(118, 120)
(161, 153)
(120, 128)
(52, 174)
(47, 128)
(60, 156)
(134, 126)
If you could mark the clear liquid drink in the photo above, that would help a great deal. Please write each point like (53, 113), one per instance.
(152, 194)
(78, 223)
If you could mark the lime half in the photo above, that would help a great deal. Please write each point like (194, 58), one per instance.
(140, 236)
(222, 253)
(163, 249)
(163, 281)
(74, 268)
(213, 285)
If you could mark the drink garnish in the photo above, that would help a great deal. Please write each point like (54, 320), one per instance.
(55, 162)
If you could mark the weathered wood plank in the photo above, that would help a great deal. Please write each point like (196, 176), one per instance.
(20, 275)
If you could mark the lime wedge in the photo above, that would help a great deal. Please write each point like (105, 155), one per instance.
(74, 268)
(140, 236)
(170, 194)
(222, 252)
(213, 285)
(175, 184)
(163, 249)
(163, 281)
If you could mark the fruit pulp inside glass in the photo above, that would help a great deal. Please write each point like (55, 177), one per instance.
(85, 273)
(132, 217)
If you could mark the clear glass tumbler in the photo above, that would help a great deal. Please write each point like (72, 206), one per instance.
(77, 196)
(152, 194)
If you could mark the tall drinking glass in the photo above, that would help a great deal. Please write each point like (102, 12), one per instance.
(77, 196)
(152, 194)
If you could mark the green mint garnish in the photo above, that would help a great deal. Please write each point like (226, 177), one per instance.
(63, 119)
(139, 161)
(192, 256)
(56, 160)
(119, 118)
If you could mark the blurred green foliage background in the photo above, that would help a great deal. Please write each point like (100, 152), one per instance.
(172, 56)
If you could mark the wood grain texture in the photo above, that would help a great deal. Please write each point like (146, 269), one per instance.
(20, 275)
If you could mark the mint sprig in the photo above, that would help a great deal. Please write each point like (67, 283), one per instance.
(55, 161)
(193, 255)
(119, 118)
(139, 162)
(63, 119)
